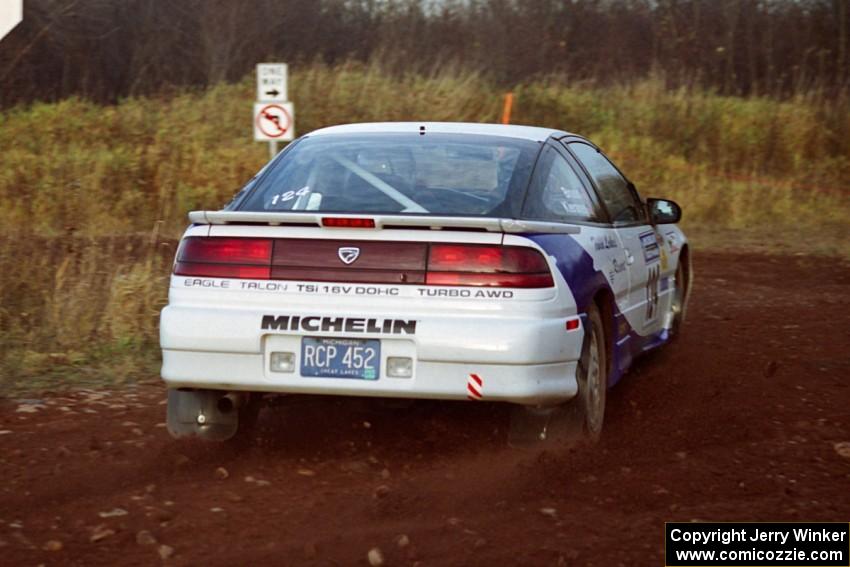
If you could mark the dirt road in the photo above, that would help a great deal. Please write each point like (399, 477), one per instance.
(738, 421)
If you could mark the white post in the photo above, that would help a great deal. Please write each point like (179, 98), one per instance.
(272, 149)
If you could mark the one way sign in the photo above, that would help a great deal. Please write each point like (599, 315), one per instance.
(271, 82)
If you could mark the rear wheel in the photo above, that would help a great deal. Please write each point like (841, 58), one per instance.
(583, 416)
(592, 377)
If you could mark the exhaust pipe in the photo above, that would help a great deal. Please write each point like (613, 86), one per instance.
(230, 402)
(208, 414)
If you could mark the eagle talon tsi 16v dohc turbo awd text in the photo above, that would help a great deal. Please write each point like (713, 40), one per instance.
(473, 262)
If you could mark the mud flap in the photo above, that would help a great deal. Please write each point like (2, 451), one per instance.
(196, 413)
(531, 426)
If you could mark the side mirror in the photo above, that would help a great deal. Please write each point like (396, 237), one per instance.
(662, 211)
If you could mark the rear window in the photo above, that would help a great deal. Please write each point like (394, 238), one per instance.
(443, 174)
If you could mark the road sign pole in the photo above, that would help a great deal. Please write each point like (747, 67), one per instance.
(272, 149)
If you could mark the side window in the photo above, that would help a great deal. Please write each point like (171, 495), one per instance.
(557, 193)
(621, 202)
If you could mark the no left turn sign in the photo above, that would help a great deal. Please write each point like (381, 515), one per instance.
(274, 122)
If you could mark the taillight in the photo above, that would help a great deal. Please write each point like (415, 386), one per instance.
(446, 265)
(492, 266)
(248, 258)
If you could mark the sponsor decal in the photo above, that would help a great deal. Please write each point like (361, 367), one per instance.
(348, 254)
(474, 387)
(652, 285)
(617, 267)
(672, 241)
(314, 324)
(604, 243)
(650, 247)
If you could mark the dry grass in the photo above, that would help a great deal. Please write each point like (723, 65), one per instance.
(80, 307)
(90, 192)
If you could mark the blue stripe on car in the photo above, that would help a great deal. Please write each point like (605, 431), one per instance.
(576, 266)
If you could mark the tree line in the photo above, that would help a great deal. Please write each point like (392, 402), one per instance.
(108, 49)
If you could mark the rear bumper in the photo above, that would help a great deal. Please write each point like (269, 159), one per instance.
(524, 384)
(524, 360)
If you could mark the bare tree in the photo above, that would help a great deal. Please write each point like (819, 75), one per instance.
(104, 49)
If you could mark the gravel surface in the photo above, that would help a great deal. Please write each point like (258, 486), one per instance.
(747, 417)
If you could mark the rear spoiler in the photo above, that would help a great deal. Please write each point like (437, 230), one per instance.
(384, 221)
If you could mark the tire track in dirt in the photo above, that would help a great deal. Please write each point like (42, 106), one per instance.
(737, 421)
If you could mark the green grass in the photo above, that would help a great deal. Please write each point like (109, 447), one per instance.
(94, 197)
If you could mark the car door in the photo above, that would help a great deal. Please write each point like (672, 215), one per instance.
(641, 250)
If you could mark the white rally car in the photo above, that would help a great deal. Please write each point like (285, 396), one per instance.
(476, 262)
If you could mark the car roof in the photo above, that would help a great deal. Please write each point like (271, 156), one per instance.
(532, 133)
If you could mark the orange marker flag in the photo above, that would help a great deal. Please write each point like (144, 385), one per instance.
(506, 110)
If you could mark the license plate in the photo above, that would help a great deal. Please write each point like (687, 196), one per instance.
(340, 358)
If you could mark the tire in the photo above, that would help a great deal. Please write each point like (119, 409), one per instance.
(677, 303)
(581, 418)
(592, 376)
(249, 415)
